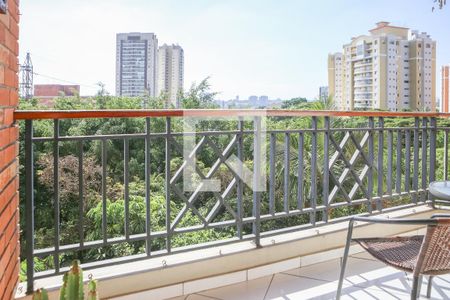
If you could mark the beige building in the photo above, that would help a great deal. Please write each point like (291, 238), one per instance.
(393, 68)
(170, 72)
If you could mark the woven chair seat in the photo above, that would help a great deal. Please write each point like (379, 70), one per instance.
(397, 252)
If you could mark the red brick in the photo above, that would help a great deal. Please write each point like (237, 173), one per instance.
(3, 31)
(14, 28)
(10, 78)
(2, 74)
(4, 55)
(13, 62)
(13, 133)
(8, 116)
(8, 135)
(5, 95)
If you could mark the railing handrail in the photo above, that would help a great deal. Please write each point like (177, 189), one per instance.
(139, 113)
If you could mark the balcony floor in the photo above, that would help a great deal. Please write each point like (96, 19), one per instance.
(366, 278)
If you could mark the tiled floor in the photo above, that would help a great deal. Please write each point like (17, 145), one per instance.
(365, 279)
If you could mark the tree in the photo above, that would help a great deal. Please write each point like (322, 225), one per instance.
(199, 96)
(294, 102)
(440, 4)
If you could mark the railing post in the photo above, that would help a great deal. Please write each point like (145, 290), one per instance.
(445, 154)
(287, 158)
(433, 132)
(148, 242)
(240, 186)
(380, 162)
(424, 157)
(56, 192)
(370, 171)
(313, 199)
(29, 204)
(326, 173)
(300, 171)
(104, 189)
(167, 185)
(407, 160)
(398, 165)
(415, 197)
(272, 166)
(390, 140)
(256, 179)
(81, 194)
(126, 185)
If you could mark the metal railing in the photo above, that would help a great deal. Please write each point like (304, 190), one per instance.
(316, 174)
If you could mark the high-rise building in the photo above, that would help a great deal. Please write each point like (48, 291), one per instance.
(445, 89)
(323, 93)
(170, 72)
(136, 64)
(263, 101)
(393, 68)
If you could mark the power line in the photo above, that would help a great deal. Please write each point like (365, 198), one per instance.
(63, 80)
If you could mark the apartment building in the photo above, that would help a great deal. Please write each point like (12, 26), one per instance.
(136, 64)
(392, 68)
(170, 72)
(323, 93)
(445, 89)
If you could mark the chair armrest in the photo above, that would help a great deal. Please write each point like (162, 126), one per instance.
(395, 221)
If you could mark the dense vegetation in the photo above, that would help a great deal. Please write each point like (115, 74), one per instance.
(198, 96)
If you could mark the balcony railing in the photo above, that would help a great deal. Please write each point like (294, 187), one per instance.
(319, 170)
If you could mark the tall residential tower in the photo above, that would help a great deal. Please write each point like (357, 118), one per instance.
(170, 72)
(136, 64)
(393, 68)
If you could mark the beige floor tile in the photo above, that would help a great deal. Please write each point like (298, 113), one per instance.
(200, 297)
(178, 298)
(364, 255)
(250, 290)
(193, 297)
(330, 270)
(214, 282)
(271, 269)
(155, 294)
(286, 286)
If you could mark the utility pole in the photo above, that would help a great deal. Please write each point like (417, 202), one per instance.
(26, 85)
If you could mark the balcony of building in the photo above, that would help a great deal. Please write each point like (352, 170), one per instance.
(363, 70)
(173, 212)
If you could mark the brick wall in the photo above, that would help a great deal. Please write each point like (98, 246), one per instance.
(9, 197)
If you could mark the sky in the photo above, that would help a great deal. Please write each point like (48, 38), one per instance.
(277, 48)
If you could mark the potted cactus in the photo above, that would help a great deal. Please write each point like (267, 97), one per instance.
(72, 288)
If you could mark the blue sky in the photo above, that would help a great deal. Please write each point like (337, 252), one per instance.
(277, 48)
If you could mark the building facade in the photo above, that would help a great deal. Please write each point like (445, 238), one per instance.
(445, 106)
(323, 93)
(136, 64)
(393, 69)
(45, 91)
(170, 72)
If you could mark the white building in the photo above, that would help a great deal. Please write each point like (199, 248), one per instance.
(170, 72)
(393, 68)
(136, 64)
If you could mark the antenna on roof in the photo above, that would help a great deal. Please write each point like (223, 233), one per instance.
(26, 84)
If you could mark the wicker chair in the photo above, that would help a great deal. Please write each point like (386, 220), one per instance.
(419, 255)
